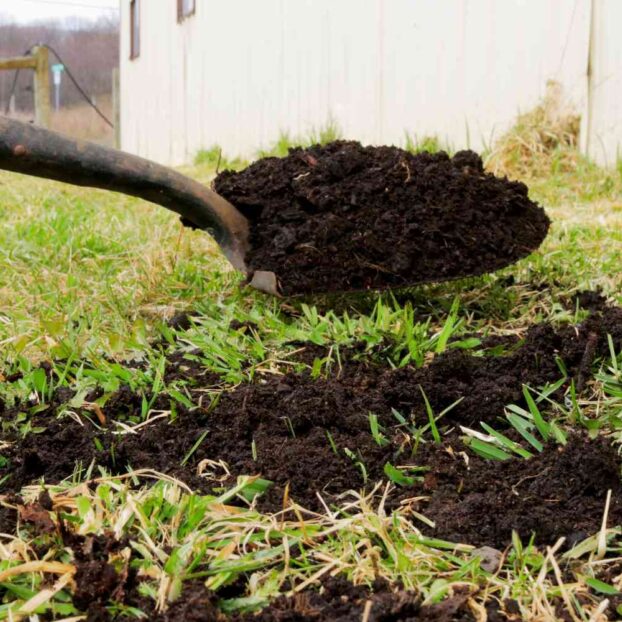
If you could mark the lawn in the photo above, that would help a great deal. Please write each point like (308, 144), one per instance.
(122, 333)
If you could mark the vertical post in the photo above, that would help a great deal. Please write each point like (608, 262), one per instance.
(587, 112)
(42, 86)
(116, 107)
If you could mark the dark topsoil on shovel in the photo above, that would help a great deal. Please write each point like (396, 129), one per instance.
(345, 217)
(280, 429)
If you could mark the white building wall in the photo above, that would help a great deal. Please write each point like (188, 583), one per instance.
(603, 123)
(238, 72)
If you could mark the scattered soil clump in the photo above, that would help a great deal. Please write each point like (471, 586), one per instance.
(343, 217)
(96, 583)
(8, 514)
(590, 300)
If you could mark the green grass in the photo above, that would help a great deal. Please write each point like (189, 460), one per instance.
(88, 280)
(417, 144)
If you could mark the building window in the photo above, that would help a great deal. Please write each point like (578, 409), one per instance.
(185, 8)
(134, 28)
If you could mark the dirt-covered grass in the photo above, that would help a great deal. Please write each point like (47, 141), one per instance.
(114, 318)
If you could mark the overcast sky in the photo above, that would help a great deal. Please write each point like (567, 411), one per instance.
(24, 11)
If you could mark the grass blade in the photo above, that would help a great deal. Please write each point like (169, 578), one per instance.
(522, 427)
(448, 328)
(432, 420)
(506, 442)
(194, 448)
(397, 477)
(558, 434)
(541, 424)
(376, 432)
(601, 586)
(488, 450)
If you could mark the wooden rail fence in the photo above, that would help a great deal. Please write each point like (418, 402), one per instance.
(39, 62)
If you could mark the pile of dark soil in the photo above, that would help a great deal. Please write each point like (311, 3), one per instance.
(345, 217)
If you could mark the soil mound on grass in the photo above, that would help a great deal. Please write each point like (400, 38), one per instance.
(314, 436)
(345, 217)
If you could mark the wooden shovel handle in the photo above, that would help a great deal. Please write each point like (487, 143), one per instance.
(32, 150)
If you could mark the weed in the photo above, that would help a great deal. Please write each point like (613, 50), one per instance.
(399, 475)
(290, 427)
(376, 432)
(196, 445)
(331, 440)
(329, 132)
(358, 462)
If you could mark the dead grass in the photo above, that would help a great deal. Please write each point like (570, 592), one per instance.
(542, 150)
(543, 138)
(81, 121)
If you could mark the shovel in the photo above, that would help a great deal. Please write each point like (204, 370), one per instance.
(32, 150)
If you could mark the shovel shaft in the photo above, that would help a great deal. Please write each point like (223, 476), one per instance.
(32, 150)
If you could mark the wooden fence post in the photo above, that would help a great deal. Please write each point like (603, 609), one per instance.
(42, 86)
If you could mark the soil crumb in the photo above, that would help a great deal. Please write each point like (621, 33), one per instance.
(343, 217)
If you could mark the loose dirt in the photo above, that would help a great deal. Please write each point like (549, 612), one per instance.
(294, 431)
(344, 217)
(559, 493)
(336, 600)
(314, 436)
(340, 601)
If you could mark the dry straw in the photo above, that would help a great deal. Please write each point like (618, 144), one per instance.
(541, 140)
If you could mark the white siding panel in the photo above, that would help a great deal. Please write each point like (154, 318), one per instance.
(605, 140)
(240, 71)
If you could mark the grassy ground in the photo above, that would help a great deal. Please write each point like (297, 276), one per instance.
(81, 121)
(91, 278)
